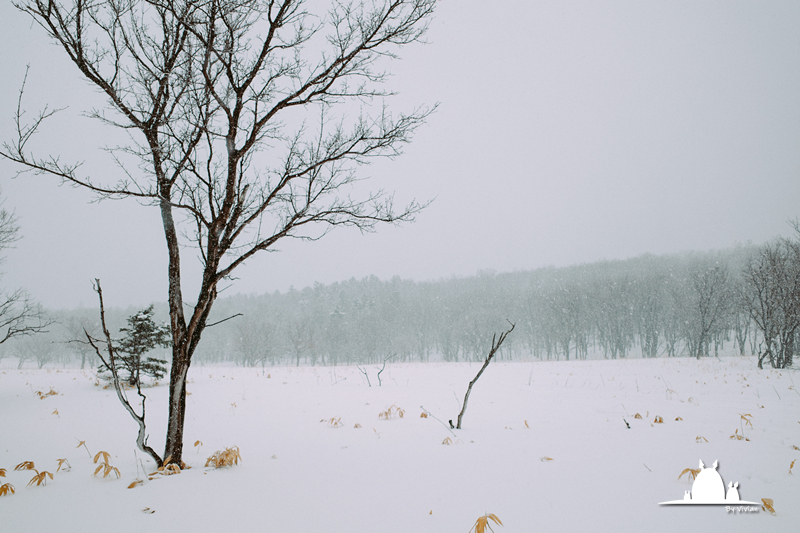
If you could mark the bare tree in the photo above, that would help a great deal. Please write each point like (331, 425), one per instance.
(219, 97)
(496, 342)
(75, 327)
(19, 315)
(709, 306)
(771, 296)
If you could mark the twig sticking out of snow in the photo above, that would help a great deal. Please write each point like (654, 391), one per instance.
(431, 415)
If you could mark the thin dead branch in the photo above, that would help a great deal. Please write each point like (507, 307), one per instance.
(110, 363)
(495, 347)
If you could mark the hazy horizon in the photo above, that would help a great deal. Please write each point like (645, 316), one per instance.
(566, 133)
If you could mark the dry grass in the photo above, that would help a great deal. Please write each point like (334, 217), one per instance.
(43, 395)
(25, 465)
(791, 466)
(700, 439)
(423, 415)
(483, 522)
(6, 489)
(104, 465)
(40, 478)
(61, 465)
(691, 471)
(228, 457)
(83, 443)
(737, 436)
(135, 483)
(767, 506)
(392, 412)
(637, 416)
(658, 420)
(168, 468)
(447, 441)
(334, 422)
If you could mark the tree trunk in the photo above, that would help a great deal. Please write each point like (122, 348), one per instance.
(173, 451)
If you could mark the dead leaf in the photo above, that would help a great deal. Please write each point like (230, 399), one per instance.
(40, 478)
(61, 464)
(483, 522)
(105, 456)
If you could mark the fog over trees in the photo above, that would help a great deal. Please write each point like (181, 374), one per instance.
(737, 301)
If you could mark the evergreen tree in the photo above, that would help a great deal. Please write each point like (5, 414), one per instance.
(141, 336)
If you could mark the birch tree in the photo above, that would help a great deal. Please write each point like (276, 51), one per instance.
(247, 122)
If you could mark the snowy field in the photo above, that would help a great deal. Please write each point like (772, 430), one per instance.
(299, 473)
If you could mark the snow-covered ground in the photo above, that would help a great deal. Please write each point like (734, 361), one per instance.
(299, 473)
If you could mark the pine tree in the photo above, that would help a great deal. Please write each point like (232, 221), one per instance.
(141, 336)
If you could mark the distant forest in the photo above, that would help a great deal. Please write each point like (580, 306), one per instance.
(693, 304)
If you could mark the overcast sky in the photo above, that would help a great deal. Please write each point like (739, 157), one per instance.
(567, 132)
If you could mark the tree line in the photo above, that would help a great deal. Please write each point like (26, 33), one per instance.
(743, 300)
